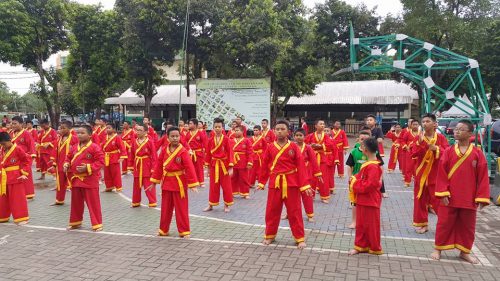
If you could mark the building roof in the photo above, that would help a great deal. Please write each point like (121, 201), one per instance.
(359, 92)
(459, 110)
(167, 94)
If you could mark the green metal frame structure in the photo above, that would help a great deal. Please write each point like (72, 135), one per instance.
(419, 62)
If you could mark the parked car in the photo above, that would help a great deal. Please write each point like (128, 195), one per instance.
(495, 137)
(451, 126)
(442, 125)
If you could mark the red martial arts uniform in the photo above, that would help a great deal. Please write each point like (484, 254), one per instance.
(197, 141)
(114, 150)
(340, 137)
(128, 138)
(410, 138)
(366, 186)
(152, 134)
(269, 136)
(47, 138)
(425, 177)
(313, 172)
(219, 157)
(305, 127)
(259, 146)
(285, 169)
(329, 148)
(95, 135)
(176, 173)
(332, 161)
(24, 140)
(85, 186)
(37, 149)
(13, 164)
(397, 154)
(464, 179)
(243, 156)
(57, 159)
(143, 161)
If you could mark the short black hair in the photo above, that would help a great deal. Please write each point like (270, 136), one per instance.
(415, 120)
(366, 128)
(67, 123)
(4, 136)
(171, 129)
(17, 119)
(110, 124)
(364, 132)
(300, 131)
(468, 123)
(318, 120)
(429, 115)
(371, 116)
(87, 128)
(126, 122)
(4, 124)
(371, 144)
(258, 127)
(29, 122)
(219, 120)
(44, 122)
(194, 120)
(265, 120)
(282, 122)
(397, 124)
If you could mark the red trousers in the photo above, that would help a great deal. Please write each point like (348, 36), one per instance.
(113, 176)
(324, 187)
(455, 229)
(14, 203)
(137, 192)
(307, 201)
(397, 156)
(381, 149)
(409, 171)
(293, 209)
(254, 172)
(198, 166)
(38, 165)
(331, 177)
(421, 205)
(29, 185)
(124, 167)
(367, 230)
(44, 162)
(62, 181)
(239, 182)
(214, 191)
(340, 165)
(171, 200)
(89, 196)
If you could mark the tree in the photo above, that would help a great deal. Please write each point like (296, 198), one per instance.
(272, 39)
(489, 57)
(95, 65)
(152, 36)
(31, 31)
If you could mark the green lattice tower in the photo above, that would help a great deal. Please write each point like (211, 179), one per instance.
(419, 61)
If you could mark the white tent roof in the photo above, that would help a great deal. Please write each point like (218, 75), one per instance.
(167, 94)
(359, 92)
(454, 111)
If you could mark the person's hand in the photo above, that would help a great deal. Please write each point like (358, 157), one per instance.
(432, 147)
(23, 178)
(65, 167)
(81, 169)
(309, 192)
(320, 179)
(445, 201)
(345, 151)
(249, 166)
(230, 172)
(480, 206)
(316, 146)
(45, 145)
(194, 189)
(393, 128)
(421, 136)
(121, 160)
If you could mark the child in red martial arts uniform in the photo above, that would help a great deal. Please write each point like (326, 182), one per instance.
(220, 159)
(313, 172)
(463, 187)
(427, 151)
(24, 140)
(268, 134)
(176, 172)
(410, 139)
(128, 137)
(196, 139)
(83, 165)
(340, 138)
(114, 154)
(143, 161)
(48, 137)
(14, 167)
(243, 162)
(284, 168)
(64, 143)
(397, 136)
(366, 186)
(259, 146)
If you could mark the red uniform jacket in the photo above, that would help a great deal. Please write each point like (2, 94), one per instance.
(310, 161)
(152, 134)
(427, 161)
(92, 157)
(410, 139)
(243, 153)
(13, 164)
(175, 170)
(366, 184)
(397, 139)
(128, 138)
(34, 135)
(114, 150)
(305, 127)
(328, 153)
(269, 136)
(144, 158)
(284, 167)
(48, 137)
(340, 138)
(259, 146)
(197, 142)
(463, 177)
(58, 156)
(24, 140)
(220, 152)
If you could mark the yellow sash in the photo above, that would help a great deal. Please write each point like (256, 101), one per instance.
(78, 153)
(281, 176)
(237, 154)
(462, 158)
(139, 159)
(427, 161)
(14, 138)
(3, 186)
(107, 155)
(319, 141)
(176, 174)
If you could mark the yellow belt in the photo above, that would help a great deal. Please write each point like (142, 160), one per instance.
(428, 160)
(107, 156)
(396, 145)
(237, 157)
(259, 154)
(284, 187)
(219, 163)
(3, 187)
(138, 160)
(79, 176)
(177, 175)
(194, 157)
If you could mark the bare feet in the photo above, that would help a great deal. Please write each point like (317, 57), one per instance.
(52, 189)
(73, 227)
(56, 204)
(267, 241)
(41, 178)
(431, 210)
(468, 258)
(22, 223)
(226, 209)
(97, 229)
(186, 237)
(385, 195)
(311, 219)
(436, 255)
(301, 245)
(421, 230)
(325, 201)
(352, 225)
(208, 209)
(284, 217)
(353, 252)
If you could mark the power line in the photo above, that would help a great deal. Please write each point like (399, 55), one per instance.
(16, 78)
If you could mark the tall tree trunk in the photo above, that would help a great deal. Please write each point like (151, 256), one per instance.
(43, 92)
(188, 78)
(274, 99)
(98, 112)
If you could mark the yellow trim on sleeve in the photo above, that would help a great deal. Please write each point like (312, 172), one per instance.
(442, 194)
(89, 169)
(483, 200)
(306, 187)
(154, 180)
(195, 184)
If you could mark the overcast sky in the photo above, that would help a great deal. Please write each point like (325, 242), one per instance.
(19, 80)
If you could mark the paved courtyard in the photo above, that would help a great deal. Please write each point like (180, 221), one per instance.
(227, 246)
